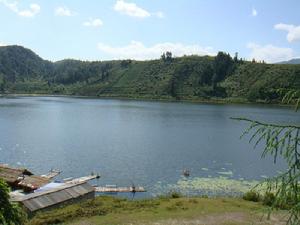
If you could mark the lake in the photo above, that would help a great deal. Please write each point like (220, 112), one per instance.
(144, 142)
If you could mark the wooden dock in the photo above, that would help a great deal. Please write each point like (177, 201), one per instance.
(119, 189)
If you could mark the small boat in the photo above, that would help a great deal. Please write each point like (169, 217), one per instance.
(186, 173)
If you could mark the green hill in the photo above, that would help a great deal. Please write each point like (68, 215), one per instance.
(185, 78)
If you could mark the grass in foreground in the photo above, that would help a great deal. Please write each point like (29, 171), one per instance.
(110, 210)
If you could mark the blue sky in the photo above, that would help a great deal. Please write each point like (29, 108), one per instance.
(143, 29)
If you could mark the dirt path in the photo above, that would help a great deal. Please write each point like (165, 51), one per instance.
(226, 218)
(232, 218)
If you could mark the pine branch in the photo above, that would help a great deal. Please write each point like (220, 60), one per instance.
(265, 124)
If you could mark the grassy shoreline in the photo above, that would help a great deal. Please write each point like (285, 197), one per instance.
(164, 210)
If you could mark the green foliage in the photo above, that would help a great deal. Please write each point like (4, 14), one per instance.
(10, 214)
(186, 78)
(257, 81)
(174, 194)
(252, 196)
(2, 83)
(291, 96)
(167, 57)
(18, 64)
(126, 63)
(223, 64)
(269, 199)
(281, 141)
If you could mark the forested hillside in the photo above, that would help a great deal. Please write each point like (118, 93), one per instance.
(182, 78)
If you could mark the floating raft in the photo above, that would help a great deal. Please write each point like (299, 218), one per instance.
(119, 189)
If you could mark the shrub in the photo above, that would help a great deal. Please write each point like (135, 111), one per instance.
(251, 196)
(174, 194)
(10, 213)
(269, 199)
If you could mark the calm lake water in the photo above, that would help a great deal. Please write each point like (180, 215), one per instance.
(148, 143)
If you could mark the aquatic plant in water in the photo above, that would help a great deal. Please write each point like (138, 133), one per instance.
(217, 186)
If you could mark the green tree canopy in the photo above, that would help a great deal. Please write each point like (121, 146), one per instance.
(223, 66)
(10, 214)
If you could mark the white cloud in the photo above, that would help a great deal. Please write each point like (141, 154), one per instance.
(131, 9)
(137, 50)
(159, 14)
(2, 44)
(293, 31)
(270, 53)
(254, 12)
(93, 23)
(63, 11)
(34, 9)
(30, 12)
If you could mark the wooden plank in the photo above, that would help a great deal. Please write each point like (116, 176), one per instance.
(51, 174)
(119, 189)
(82, 179)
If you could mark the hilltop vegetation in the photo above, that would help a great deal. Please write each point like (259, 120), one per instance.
(182, 78)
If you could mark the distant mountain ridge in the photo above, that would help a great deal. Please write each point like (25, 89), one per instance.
(185, 78)
(291, 61)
